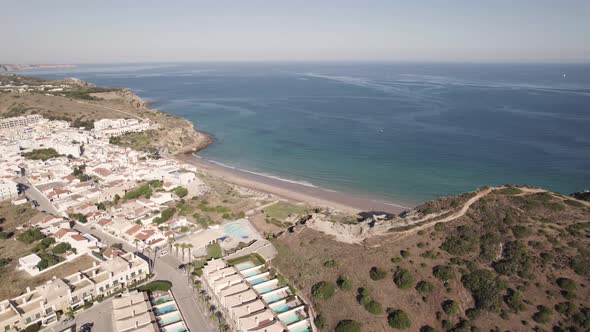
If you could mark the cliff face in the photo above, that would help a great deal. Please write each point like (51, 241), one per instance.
(83, 103)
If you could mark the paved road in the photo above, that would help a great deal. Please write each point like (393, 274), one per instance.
(166, 268)
(35, 195)
(101, 314)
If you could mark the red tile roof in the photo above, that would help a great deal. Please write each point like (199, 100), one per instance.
(133, 229)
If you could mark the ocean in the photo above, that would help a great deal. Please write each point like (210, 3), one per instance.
(404, 132)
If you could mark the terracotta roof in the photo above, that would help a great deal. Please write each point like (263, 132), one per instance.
(144, 235)
(78, 237)
(104, 221)
(112, 251)
(63, 231)
(133, 229)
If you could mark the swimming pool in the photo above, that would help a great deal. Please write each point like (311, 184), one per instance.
(236, 230)
(164, 309)
(290, 318)
(272, 298)
(245, 265)
(169, 318)
(266, 289)
(300, 328)
(280, 308)
(161, 299)
(257, 281)
(176, 327)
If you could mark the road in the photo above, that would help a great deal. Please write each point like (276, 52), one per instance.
(35, 195)
(166, 268)
(112, 109)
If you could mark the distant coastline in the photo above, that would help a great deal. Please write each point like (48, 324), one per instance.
(17, 67)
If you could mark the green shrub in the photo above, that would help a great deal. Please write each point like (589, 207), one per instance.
(543, 315)
(399, 320)
(520, 231)
(581, 264)
(427, 328)
(464, 242)
(61, 248)
(404, 253)
(323, 290)
(566, 284)
(180, 191)
(214, 250)
(160, 285)
(450, 307)
(485, 288)
(514, 300)
(344, 283)
(566, 308)
(4, 262)
(330, 263)
(348, 325)
(377, 274)
(424, 287)
(516, 260)
(374, 307)
(443, 272)
(41, 154)
(403, 278)
(30, 235)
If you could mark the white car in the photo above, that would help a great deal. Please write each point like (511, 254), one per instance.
(163, 253)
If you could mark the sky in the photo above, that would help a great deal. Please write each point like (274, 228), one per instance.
(35, 31)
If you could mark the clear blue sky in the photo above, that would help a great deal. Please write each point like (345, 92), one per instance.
(320, 30)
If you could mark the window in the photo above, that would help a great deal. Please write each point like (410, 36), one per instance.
(101, 289)
(7, 327)
(37, 315)
(107, 286)
(74, 298)
(115, 282)
(48, 310)
(133, 273)
(28, 320)
(84, 294)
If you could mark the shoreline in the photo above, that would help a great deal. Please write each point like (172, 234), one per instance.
(291, 190)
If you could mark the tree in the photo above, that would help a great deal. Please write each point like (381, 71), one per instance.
(343, 283)
(377, 274)
(399, 320)
(180, 191)
(543, 315)
(348, 325)
(323, 290)
(424, 287)
(403, 278)
(443, 272)
(450, 307)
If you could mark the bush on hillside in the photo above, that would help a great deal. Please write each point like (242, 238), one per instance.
(443, 272)
(323, 290)
(377, 274)
(450, 307)
(403, 278)
(399, 320)
(344, 283)
(516, 260)
(543, 315)
(566, 284)
(61, 248)
(485, 288)
(514, 300)
(180, 191)
(348, 326)
(424, 287)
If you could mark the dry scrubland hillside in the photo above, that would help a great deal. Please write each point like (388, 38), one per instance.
(515, 261)
(84, 103)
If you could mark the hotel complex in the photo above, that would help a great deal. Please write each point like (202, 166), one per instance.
(253, 299)
(42, 303)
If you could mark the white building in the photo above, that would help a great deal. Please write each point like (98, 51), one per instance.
(8, 189)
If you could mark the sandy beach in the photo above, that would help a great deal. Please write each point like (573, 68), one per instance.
(293, 191)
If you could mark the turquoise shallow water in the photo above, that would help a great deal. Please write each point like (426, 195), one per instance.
(407, 132)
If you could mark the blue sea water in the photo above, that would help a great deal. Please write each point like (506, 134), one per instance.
(407, 132)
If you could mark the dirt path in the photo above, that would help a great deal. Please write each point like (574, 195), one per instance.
(112, 109)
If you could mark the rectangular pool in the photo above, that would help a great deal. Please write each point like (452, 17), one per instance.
(169, 318)
(176, 327)
(159, 311)
(245, 265)
(161, 300)
(280, 308)
(272, 298)
(290, 318)
(301, 328)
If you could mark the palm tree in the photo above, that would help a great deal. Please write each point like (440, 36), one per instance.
(183, 246)
(150, 261)
(189, 246)
(176, 245)
(170, 243)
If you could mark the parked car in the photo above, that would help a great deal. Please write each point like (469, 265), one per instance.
(86, 327)
(181, 267)
(67, 320)
(163, 253)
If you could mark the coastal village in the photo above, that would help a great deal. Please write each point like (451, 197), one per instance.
(116, 208)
